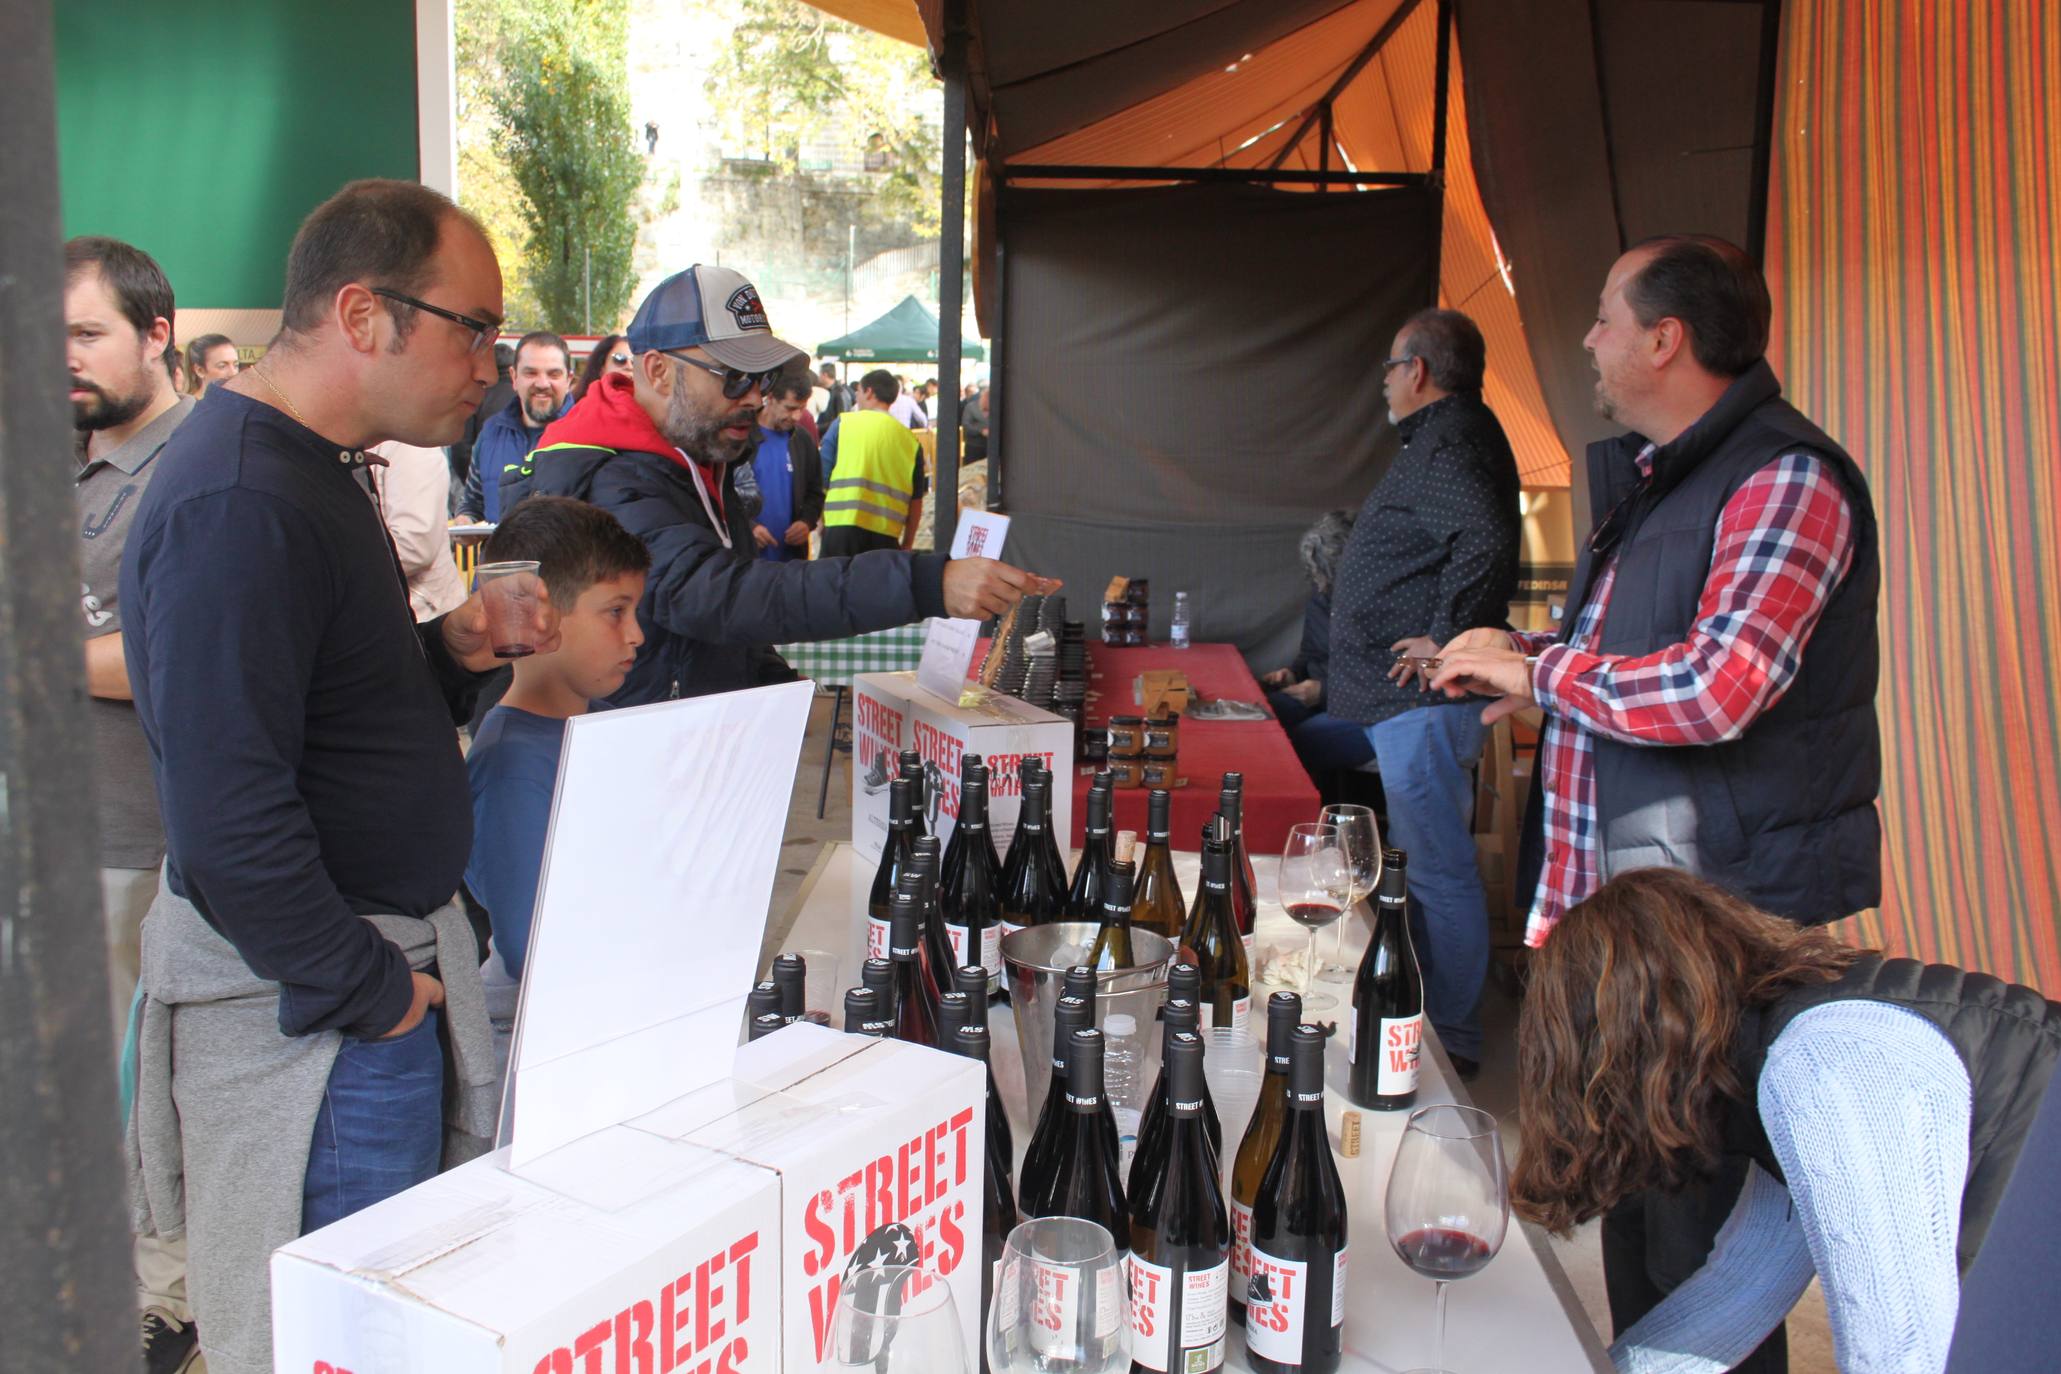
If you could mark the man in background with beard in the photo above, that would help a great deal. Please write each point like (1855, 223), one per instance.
(541, 378)
(657, 447)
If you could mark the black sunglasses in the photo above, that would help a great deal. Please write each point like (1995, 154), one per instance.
(735, 383)
(1611, 528)
(483, 332)
(619, 358)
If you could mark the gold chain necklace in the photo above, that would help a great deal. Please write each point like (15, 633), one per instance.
(291, 409)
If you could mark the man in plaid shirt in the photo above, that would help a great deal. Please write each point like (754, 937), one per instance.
(1710, 698)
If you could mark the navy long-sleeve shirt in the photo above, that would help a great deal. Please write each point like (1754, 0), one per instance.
(301, 727)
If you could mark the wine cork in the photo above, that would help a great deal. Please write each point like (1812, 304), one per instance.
(1126, 842)
(1349, 1135)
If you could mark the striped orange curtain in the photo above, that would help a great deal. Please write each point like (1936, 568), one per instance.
(1915, 255)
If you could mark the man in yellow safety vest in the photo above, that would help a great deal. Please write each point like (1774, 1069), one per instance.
(875, 479)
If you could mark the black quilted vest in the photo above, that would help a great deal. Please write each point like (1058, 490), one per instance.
(2008, 1037)
(1783, 816)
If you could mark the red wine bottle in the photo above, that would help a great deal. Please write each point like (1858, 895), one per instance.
(1262, 1135)
(1049, 855)
(1295, 1294)
(951, 1014)
(969, 884)
(1084, 898)
(864, 1014)
(1244, 888)
(1036, 1182)
(895, 858)
(764, 998)
(919, 799)
(971, 978)
(1179, 1266)
(1029, 897)
(764, 1025)
(1083, 1164)
(879, 975)
(998, 1193)
(791, 976)
(915, 997)
(937, 948)
(1388, 1001)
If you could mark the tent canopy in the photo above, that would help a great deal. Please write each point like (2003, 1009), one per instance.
(906, 334)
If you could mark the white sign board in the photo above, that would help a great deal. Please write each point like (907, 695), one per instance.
(949, 645)
(665, 834)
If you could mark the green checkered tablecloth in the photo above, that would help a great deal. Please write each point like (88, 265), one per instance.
(835, 662)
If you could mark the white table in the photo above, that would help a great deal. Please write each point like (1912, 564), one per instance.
(1519, 1314)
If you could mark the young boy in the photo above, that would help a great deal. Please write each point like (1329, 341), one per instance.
(594, 570)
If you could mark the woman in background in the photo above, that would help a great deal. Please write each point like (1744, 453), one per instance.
(612, 354)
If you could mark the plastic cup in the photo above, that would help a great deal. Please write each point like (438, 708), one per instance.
(820, 990)
(508, 592)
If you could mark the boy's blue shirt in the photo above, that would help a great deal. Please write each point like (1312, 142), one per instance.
(514, 770)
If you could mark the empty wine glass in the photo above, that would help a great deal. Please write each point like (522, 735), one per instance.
(1315, 883)
(897, 1319)
(1360, 833)
(1448, 1200)
(1061, 1305)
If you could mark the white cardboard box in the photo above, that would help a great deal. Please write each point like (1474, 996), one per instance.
(708, 1237)
(891, 712)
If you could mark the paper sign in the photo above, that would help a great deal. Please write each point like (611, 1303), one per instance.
(658, 867)
(948, 645)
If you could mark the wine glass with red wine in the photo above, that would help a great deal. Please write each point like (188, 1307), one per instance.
(1316, 884)
(1448, 1199)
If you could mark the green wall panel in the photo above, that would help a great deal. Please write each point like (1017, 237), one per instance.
(204, 134)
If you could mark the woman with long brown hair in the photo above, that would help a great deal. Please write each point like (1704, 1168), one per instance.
(612, 354)
(1670, 1028)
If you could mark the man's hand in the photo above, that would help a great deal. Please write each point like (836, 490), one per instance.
(1487, 637)
(797, 535)
(762, 537)
(1502, 673)
(978, 588)
(1403, 670)
(1309, 691)
(1280, 677)
(466, 635)
(428, 993)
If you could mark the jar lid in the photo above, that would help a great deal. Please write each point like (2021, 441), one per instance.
(1127, 720)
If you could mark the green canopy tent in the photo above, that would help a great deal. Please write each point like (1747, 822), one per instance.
(906, 334)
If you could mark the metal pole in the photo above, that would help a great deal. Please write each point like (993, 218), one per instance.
(65, 1263)
(851, 249)
(998, 350)
(1441, 89)
(586, 290)
(951, 273)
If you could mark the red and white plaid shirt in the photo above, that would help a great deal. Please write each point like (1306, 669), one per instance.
(1784, 542)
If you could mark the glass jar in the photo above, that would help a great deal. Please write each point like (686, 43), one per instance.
(1126, 737)
(1157, 773)
(1163, 737)
(1126, 773)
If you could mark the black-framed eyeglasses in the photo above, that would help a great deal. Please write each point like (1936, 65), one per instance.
(483, 332)
(1389, 364)
(735, 383)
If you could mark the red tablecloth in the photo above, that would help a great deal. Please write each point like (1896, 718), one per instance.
(1278, 793)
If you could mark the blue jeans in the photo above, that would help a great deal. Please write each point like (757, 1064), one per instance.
(381, 1127)
(1323, 742)
(1426, 757)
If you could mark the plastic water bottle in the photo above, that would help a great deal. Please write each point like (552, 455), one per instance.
(1180, 629)
(1120, 1083)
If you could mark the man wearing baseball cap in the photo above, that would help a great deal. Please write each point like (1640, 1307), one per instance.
(657, 447)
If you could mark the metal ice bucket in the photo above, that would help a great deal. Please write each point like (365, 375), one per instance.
(1037, 974)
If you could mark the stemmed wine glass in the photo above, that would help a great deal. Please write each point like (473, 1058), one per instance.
(1316, 880)
(1448, 1199)
(1360, 834)
(1061, 1304)
(897, 1319)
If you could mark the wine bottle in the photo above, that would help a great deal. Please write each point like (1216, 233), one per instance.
(1388, 1001)
(919, 798)
(968, 885)
(764, 998)
(1244, 889)
(998, 1193)
(791, 976)
(973, 768)
(1262, 1134)
(1177, 1014)
(1179, 1265)
(1084, 898)
(895, 857)
(879, 975)
(1083, 1164)
(1211, 941)
(1029, 897)
(1158, 906)
(930, 918)
(951, 1014)
(1049, 855)
(1112, 947)
(971, 980)
(863, 1014)
(1069, 1014)
(915, 997)
(1079, 981)
(1295, 1295)
(764, 1025)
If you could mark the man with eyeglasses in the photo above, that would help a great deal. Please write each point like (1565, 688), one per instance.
(658, 450)
(501, 470)
(306, 969)
(1710, 695)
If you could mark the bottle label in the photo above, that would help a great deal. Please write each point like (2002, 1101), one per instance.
(1402, 1039)
(1248, 938)
(956, 937)
(991, 949)
(1204, 1316)
(876, 937)
(1009, 928)
(1055, 1308)
(1241, 1014)
(1241, 1247)
(1277, 1305)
